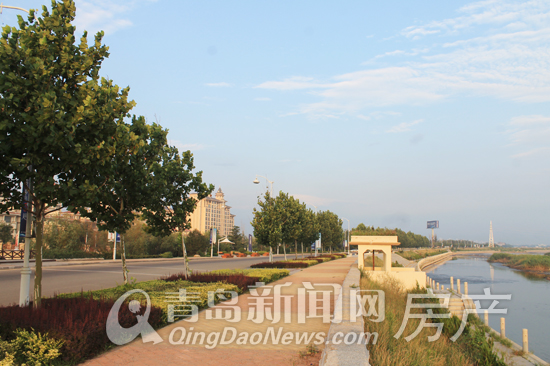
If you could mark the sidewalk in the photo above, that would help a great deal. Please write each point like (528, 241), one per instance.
(333, 272)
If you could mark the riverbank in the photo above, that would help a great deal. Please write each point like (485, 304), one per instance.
(537, 265)
(527, 308)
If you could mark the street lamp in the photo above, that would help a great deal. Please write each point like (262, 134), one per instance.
(349, 252)
(256, 181)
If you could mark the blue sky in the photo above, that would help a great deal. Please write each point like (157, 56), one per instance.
(387, 113)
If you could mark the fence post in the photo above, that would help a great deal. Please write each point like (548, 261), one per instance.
(458, 285)
(466, 288)
(486, 318)
(525, 342)
(502, 328)
(452, 285)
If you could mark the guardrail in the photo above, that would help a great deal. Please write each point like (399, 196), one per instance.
(433, 260)
(14, 254)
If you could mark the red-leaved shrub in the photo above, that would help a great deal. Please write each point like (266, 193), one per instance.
(240, 280)
(80, 322)
(280, 265)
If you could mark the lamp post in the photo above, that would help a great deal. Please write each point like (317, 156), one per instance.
(349, 252)
(256, 181)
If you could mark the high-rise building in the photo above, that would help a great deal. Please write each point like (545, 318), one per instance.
(212, 212)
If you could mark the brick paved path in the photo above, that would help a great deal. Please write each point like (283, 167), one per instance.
(139, 353)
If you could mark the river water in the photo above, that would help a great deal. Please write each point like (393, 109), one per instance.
(529, 307)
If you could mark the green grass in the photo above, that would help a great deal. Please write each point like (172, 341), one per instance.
(471, 348)
(523, 261)
(264, 274)
(414, 255)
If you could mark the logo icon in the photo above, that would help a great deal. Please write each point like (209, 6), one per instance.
(119, 335)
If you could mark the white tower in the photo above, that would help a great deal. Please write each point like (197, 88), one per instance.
(491, 239)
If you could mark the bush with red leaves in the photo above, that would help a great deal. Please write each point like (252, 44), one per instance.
(240, 280)
(80, 322)
(280, 265)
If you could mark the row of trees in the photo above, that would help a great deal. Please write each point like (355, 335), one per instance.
(68, 137)
(407, 239)
(283, 219)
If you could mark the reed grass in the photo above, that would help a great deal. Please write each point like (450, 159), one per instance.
(471, 348)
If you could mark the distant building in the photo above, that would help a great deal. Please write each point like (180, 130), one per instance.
(212, 212)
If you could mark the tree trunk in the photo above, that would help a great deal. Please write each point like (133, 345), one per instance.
(302, 250)
(39, 213)
(270, 254)
(284, 250)
(186, 271)
(295, 249)
(124, 268)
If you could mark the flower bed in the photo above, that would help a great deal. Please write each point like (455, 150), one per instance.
(78, 322)
(241, 280)
(255, 255)
(263, 275)
(280, 264)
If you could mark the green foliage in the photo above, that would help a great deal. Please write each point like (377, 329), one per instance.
(332, 233)
(264, 275)
(6, 235)
(167, 255)
(69, 254)
(197, 243)
(266, 223)
(407, 239)
(29, 348)
(157, 290)
(62, 234)
(525, 261)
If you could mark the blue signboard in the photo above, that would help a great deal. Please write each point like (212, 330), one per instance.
(433, 224)
(23, 222)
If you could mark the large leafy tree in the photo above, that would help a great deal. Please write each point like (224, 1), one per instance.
(331, 229)
(56, 117)
(267, 224)
(310, 229)
(291, 216)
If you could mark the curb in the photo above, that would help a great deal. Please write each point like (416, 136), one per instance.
(79, 262)
(343, 354)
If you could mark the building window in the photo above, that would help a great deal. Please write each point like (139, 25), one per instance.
(7, 219)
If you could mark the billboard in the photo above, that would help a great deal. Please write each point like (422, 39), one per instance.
(433, 224)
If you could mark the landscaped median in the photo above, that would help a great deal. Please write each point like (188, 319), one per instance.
(71, 328)
(300, 263)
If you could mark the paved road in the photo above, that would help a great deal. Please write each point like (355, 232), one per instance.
(73, 278)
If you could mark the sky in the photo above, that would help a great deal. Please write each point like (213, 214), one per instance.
(386, 113)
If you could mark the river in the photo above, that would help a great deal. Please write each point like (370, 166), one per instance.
(529, 307)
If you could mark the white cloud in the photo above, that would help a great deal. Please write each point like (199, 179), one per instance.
(108, 16)
(403, 127)
(218, 85)
(530, 133)
(508, 59)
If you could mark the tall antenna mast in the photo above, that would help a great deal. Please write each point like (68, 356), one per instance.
(491, 239)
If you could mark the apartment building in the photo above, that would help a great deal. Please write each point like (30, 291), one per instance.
(212, 212)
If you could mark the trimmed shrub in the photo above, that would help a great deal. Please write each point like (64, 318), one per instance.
(240, 280)
(69, 254)
(29, 348)
(280, 265)
(262, 275)
(266, 254)
(227, 255)
(255, 255)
